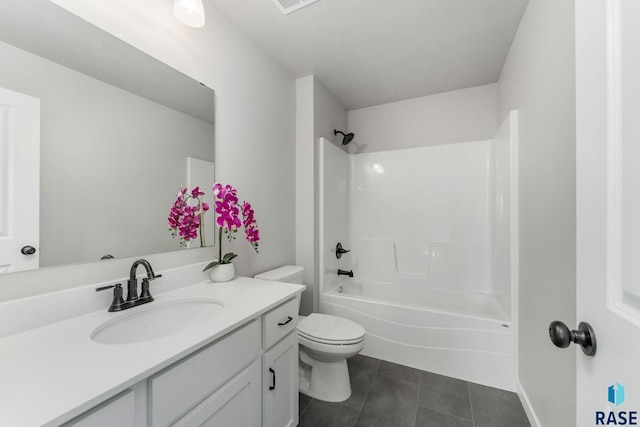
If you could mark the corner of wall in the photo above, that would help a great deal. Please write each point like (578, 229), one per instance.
(318, 113)
(538, 79)
(304, 214)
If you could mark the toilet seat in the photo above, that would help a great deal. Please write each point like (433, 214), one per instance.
(330, 342)
(330, 330)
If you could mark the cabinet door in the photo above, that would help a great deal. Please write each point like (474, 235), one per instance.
(280, 383)
(118, 411)
(178, 389)
(236, 404)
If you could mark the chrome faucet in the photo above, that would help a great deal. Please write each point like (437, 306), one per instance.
(345, 273)
(133, 300)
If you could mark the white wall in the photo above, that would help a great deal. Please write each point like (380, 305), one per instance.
(318, 113)
(328, 115)
(305, 192)
(457, 116)
(255, 110)
(538, 78)
(421, 215)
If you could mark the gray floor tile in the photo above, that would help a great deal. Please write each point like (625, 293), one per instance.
(324, 414)
(362, 371)
(391, 402)
(445, 394)
(428, 418)
(401, 372)
(385, 394)
(303, 403)
(493, 407)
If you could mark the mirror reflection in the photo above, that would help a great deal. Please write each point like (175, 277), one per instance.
(111, 159)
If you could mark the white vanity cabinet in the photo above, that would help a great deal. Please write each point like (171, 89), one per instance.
(236, 404)
(118, 411)
(280, 366)
(280, 383)
(213, 371)
(247, 378)
(190, 383)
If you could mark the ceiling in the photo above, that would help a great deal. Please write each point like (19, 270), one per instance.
(371, 52)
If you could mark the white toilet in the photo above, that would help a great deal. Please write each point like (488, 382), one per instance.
(325, 344)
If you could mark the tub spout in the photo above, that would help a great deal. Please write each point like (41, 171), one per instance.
(345, 273)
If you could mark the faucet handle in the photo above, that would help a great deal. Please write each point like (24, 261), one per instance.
(145, 295)
(340, 250)
(118, 303)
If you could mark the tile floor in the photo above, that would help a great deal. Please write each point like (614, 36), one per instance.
(385, 394)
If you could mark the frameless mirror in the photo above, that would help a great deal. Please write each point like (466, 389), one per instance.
(117, 128)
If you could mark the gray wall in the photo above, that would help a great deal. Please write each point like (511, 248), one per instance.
(538, 79)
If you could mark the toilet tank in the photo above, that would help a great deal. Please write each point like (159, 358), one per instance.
(288, 273)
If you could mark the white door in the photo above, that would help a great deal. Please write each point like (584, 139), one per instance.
(19, 181)
(608, 208)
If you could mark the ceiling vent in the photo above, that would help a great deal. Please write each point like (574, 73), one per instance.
(288, 6)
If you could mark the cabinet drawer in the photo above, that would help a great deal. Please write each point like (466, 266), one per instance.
(280, 321)
(175, 391)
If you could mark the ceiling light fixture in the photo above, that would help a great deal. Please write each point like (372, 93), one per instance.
(189, 12)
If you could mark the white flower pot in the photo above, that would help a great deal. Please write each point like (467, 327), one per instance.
(222, 272)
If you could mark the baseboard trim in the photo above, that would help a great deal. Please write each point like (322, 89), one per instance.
(526, 404)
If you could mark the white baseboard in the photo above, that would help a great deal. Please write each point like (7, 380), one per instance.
(526, 404)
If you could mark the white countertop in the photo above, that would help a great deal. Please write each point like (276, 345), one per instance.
(53, 373)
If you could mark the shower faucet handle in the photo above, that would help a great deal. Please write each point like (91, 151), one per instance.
(340, 250)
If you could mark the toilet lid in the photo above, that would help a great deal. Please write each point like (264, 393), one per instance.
(327, 328)
(329, 342)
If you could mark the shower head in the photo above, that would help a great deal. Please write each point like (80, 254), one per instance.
(347, 137)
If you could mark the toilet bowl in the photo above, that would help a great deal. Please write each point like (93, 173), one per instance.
(325, 344)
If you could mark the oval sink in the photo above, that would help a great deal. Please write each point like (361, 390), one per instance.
(156, 320)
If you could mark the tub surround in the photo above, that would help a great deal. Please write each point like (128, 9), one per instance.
(55, 372)
(438, 293)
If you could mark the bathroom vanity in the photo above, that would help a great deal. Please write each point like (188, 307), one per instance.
(236, 365)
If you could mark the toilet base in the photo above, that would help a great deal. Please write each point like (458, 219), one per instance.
(326, 381)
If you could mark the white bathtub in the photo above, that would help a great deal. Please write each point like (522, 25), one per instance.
(458, 334)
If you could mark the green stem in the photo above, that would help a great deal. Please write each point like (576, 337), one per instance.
(202, 243)
(220, 244)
